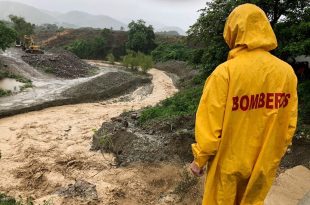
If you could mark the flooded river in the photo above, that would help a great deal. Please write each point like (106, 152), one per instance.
(48, 149)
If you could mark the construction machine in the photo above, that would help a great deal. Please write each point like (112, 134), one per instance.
(29, 46)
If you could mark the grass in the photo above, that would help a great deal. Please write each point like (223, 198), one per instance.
(4, 200)
(183, 103)
(5, 92)
(106, 142)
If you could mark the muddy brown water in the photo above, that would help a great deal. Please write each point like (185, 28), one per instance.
(48, 149)
(10, 84)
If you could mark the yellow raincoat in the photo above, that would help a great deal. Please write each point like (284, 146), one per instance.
(247, 114)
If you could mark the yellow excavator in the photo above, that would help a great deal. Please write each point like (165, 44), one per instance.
(29, 46)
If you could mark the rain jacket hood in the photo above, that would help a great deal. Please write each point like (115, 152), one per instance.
(247, 114)
(248, 26)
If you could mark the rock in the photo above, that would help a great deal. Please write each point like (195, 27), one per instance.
(134, 116)
(68, 129)
(81, 189)
(125, 124)
(116, 119)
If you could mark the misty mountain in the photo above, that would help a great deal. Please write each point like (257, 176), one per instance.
(172, 28)
(82, 19)
(72, 19)
(30, 13)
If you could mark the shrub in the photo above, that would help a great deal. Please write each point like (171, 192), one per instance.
(183, 103)
(4, 92)
(111, 58)
(146, 63)
(165, 52)
(136, 60)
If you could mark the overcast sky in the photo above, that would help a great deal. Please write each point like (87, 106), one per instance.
(181, 13)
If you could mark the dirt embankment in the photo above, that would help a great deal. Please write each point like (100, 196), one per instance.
(165, 141)
(102, 87)
(110, 85)
(180, 72)
(61, 63)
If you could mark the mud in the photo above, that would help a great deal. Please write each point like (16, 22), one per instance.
(169, 141)
(298, 153)
(45, 150)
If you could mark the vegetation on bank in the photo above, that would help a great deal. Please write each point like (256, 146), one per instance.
(5, 92)
(4, 200)
(7, 36)
(165, 52)
(184, 102)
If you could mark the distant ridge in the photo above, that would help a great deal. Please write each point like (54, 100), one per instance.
(72, 19)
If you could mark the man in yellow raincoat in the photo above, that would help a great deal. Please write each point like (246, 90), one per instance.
(247, 114)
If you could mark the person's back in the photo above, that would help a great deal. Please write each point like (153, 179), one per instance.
(247, 114)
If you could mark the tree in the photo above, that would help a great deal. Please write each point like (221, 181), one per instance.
(165, 52)
(21, 26)
(289, 18)
(81, 48)
(7, 36)
(140, 37)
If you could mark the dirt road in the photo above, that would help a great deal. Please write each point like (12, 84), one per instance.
(48, 149)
